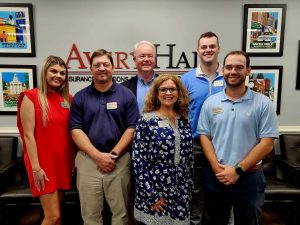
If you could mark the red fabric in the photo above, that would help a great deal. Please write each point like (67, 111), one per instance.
(54, 145)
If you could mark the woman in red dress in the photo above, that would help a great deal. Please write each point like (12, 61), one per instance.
(43, 117)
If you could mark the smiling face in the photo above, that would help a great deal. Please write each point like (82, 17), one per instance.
(102, 69)
(56, 77)
(167, 94)
(235, 70)
(144, 58)
(208, 49)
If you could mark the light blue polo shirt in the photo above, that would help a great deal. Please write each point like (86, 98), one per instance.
(235, 127)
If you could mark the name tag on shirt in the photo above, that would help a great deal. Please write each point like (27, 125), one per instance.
(163, 123)
(219, 83)
(64, 105)
(111, 105)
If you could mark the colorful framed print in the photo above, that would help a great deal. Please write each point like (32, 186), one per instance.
(267, 80)
(263, 32)
(298, 71)
(16, 30)
(15, 79)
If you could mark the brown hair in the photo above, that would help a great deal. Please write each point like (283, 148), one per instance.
(238, 52)
(101, 52)
(208, 34)
(182, 104)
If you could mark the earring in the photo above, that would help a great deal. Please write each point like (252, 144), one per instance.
(157, 102)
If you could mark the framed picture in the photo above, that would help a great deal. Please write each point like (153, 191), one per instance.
(16, 30)
(263, 32)
(267, 80)
(298, 70)
(13, 80)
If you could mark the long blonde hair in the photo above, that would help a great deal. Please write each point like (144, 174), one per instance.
(43, 87)
(182, 104)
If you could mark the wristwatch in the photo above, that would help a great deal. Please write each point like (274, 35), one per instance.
(239, 170)
(114, 153)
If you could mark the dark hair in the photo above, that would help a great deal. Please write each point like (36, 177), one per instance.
(238, 52)
(101, 52)
(208, 34)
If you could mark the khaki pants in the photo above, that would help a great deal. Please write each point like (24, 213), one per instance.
(94, 186)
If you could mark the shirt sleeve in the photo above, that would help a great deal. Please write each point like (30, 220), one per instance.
(76, 113)
(141, 163)
(268, 125)
(203, 126)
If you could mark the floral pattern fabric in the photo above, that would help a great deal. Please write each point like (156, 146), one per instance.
(162, 161)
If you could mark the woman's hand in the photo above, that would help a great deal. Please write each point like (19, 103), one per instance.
(40, 178)
(159, 205)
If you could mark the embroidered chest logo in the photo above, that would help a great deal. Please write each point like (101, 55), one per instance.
(217, 110)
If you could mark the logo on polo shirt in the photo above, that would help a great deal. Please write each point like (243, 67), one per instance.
(217, 110)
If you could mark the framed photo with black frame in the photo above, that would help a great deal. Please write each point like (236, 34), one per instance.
(298, 71)
(263, 31)
(15, 79)
(16, 30)
(267, 80)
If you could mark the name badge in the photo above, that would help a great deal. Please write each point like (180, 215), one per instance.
(219, 83)
(111, 105)
(163, 123)
(64, 105)
(217, 110)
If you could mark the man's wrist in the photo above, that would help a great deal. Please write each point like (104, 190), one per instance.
(114, 153)
(239, 170)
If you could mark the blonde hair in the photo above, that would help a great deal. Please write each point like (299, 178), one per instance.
(181, 106)
(43, 87)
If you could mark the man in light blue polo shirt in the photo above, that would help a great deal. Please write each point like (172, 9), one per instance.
(237, 129)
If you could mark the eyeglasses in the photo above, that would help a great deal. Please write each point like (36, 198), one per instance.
(165, 90)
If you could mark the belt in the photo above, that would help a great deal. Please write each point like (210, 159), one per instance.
(254, 168)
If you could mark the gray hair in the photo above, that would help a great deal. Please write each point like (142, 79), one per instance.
(144, 42)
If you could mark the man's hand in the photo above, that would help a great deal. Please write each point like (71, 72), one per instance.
(228, 175)
(106, 162)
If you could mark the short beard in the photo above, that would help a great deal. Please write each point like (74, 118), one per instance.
(236, 84)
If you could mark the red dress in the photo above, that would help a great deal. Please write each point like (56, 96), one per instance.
(54, 145)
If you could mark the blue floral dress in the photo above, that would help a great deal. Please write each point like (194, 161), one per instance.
(162, 161)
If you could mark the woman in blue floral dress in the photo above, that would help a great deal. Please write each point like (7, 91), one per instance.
(162, 155)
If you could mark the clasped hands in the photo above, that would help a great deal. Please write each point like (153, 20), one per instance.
(226, 174)
(159, 206)
(106, 162)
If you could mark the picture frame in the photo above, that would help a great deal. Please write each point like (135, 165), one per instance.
(263, 31)
(16, 30)
(268, 81)
(298, 70)
(15, 79)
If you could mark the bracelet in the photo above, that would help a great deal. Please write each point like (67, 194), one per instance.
(36, 171)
